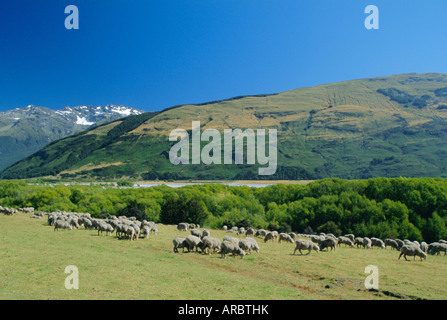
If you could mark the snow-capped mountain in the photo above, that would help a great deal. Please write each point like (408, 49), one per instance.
(24, 131)
(89, 115)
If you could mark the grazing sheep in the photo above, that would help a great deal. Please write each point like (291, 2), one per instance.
(424, 246)
(104, 226)
(62, 224)
(250, 232)
(9, 211)
(51, 219)
(74, 222)
(182, 226)
(358, 241)
(179, 243)
(151, 225)
(400, 243)
(248, 244)
(269, 236)
(196, 233)
(437, 248)
(233, 240)
(40, 214)
(120, 232)
(114, 222)
(145, 229)
(241, 230)
(412, 251)
(346, 241)
(128, 231)
(245, 245)
(193, 242)
(37, 215)
(96, 223)
(205, 233)
(317, 239)
(392, 243)
(261, 233)
(305, 245)
(350, 236)
(285, 237)
(375, 242)
(331, 236)
(367, 243)
(87, 223)
(328, 243)
(229, 247)
(137, 229)
(210, 244)
(293, 235)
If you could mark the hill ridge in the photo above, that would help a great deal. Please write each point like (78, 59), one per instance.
(383, 126)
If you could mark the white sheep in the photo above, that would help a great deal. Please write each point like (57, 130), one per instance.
(179, 243)
(305, 245)
(412, 250)
(229, 247)
(285, 237)
(210, 244)
(62, 224)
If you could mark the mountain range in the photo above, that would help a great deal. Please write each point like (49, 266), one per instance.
(24, 131)
(385, 126)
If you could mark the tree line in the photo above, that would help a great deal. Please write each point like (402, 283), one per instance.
(406, 208)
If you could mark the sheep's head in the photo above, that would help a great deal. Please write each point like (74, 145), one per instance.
(241, 252)
(423, 255)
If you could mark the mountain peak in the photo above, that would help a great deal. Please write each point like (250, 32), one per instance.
(27, 129)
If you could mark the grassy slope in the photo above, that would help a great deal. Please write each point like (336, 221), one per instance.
(33, 258)
(344, 129)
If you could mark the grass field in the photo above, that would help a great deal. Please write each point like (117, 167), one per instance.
(33, 259)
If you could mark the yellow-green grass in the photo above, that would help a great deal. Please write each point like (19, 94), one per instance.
(33, 259)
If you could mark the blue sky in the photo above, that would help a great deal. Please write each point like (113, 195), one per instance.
(155, 54)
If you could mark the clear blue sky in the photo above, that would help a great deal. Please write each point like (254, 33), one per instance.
(155, 54)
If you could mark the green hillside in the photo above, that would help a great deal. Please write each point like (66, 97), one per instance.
(388, 126)
(24, 131)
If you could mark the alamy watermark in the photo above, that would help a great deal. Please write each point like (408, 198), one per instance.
(72, 281)
(372, 280)
(372, 21)
(211, 153)
(72, 21)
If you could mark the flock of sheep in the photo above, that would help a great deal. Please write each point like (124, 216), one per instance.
(132, 229)
(124, 228)
(203, 241)
(207, 244)
(12, 211)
